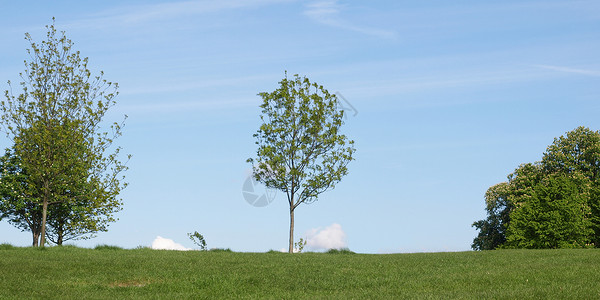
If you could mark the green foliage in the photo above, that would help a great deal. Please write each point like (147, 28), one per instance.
(107, 247)
(220, 250)
(340, 251)
(554, 203)
(198, 239)
(273, 251)
(299, 245)
(553, 216)
(17, 205)
(73, 174)
(492, 230)
(301, 150)
(6, 246)
(579, 152)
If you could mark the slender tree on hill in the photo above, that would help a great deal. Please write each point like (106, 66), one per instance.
(301, 150)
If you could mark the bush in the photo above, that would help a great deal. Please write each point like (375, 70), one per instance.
(107, 247)
(7, 246)
(340, 251)
(220, 250)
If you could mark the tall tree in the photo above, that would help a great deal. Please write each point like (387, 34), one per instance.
(301, 150)
(55, 124)
(578, 151)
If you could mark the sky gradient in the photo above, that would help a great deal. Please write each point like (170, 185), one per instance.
(451, 96)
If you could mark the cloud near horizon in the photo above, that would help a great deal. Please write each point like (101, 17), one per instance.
(161, 243)
(330, 237)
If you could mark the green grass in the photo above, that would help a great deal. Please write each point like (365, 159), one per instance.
(70, 273)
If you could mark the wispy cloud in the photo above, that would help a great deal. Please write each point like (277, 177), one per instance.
(141, 14)
(328, 12)
(569, 70)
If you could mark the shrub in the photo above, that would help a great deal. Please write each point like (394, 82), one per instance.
(7, 246)
(220, 250)
(340, 251)
(107, 247)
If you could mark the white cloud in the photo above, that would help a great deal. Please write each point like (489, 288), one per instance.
(327, 12)
(161, 243)
(331, 237)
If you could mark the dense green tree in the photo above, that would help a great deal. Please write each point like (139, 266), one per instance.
(579, 151)
(553, 203)
(301, 150)
(55, 124)
(554, 215)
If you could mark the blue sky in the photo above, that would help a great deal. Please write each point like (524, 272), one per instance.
(451, 97)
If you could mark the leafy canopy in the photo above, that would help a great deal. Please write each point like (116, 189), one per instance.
(554, 203)
(301, 150)
(70, 161)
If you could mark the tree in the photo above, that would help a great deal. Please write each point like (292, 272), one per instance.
(492, 231)
(65, 221)
(500, 202)
(554, 203)
(301, 150)
(16, 201)
(55, 124)
(578, 151)
(554, 215)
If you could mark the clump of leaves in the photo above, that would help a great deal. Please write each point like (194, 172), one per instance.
(299, 245)
(198, 239)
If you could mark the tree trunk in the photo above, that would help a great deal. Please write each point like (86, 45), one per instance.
(59, 234)
(36, 237)
(44, 212)
(291, 250)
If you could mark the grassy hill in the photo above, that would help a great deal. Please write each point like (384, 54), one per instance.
(112, 273)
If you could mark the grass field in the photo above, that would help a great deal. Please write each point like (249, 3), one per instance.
(112, 273)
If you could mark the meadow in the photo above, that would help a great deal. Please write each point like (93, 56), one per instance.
(112, 273)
